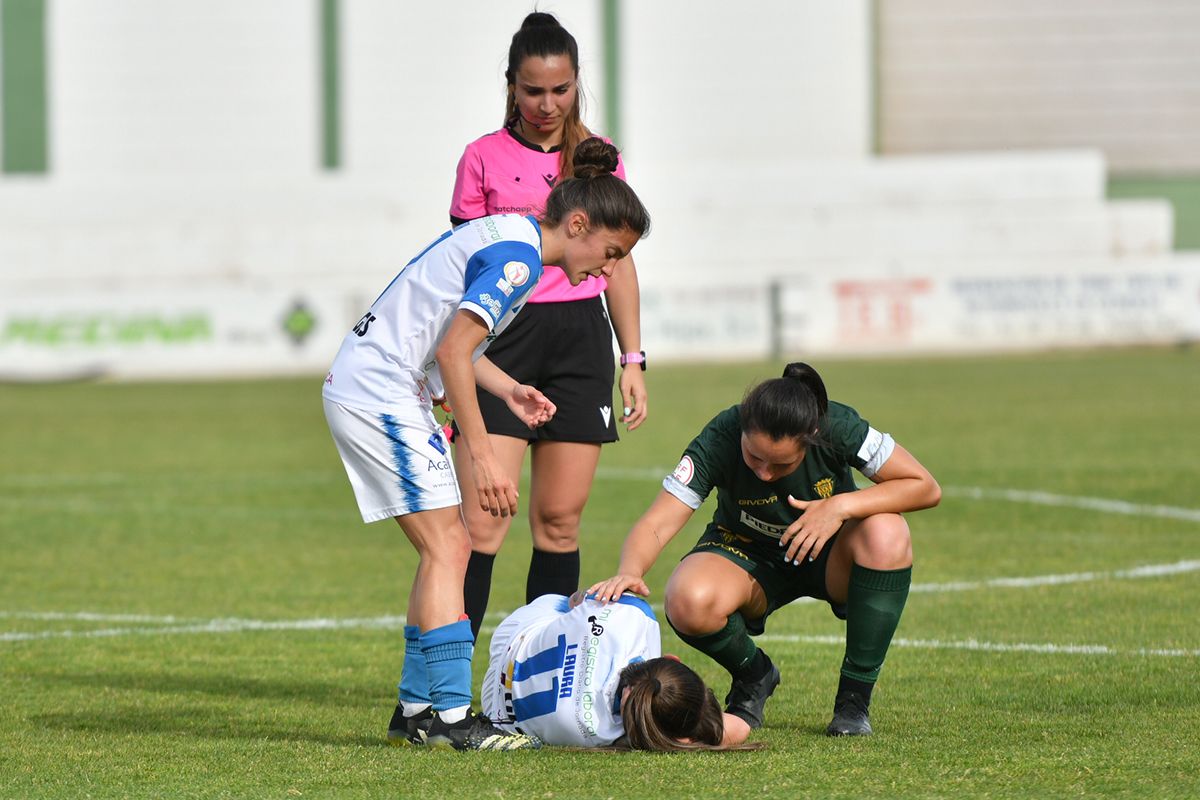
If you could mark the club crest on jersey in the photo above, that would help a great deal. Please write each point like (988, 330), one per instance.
(516, 272)
(824, 488)
(684, 470)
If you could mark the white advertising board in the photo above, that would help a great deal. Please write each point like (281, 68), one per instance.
(194, 333)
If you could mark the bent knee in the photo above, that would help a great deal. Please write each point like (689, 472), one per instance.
(883, 541)
(694, 610)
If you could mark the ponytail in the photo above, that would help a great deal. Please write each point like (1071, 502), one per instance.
(787, 407)
(668, 702)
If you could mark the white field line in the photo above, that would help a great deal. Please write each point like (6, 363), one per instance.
(656, 474)
(1148, 571)
(1088, 503)
(220, 625)
(996, 647)
(229, 625)
(396, 623)
(172, 624)
(92, 616)
(978, 493)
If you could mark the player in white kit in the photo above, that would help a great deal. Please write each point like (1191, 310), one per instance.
(421, 342)
(580, 673)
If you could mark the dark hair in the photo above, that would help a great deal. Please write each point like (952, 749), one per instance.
(668, 702)
(541, 36)
(787, 407)
(607, 200)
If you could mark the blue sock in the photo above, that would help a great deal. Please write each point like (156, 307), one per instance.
(448, 652)
(414, 679)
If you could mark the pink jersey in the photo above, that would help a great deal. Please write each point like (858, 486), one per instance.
(500, 174)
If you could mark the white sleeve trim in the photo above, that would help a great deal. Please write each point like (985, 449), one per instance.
(682, 493)
(876, 449)
(479, 311)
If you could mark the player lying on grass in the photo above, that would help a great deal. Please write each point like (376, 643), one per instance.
(580, 673)
(422, 339)
(789, 523)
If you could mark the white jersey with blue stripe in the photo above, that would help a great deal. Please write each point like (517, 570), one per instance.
(487, 266)
(553, 670)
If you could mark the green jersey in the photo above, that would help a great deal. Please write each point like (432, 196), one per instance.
(756, 510)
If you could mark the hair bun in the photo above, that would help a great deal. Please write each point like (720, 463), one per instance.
(540, 19)
(594, 157)
(802, 372)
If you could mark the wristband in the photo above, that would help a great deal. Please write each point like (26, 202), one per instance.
(634, 358)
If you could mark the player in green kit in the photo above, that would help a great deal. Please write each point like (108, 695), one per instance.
(790, 523)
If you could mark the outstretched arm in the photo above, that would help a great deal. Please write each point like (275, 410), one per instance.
(649, 535)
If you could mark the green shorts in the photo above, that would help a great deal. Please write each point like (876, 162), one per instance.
(782, 581)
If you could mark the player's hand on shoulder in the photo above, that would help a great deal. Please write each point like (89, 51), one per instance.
(609, 590)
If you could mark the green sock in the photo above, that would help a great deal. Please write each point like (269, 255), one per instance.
(874, 602)
(731, 647)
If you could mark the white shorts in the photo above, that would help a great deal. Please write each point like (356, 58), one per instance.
(497, 702)
(397, 463)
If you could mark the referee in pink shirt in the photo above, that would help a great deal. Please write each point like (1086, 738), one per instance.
(562, 342)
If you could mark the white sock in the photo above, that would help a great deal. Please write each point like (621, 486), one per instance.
(412, 709)
(453, 715)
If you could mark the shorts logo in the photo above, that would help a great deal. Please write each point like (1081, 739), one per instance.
(685, 470)
(516, 272)
(606, 412)
(740, 554)
(505, 287)
(824, 488)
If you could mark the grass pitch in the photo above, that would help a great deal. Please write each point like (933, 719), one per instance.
(191, 607)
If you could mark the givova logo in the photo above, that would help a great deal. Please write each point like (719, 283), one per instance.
(100, 330)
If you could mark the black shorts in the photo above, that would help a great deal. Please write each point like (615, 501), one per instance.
(782, 581)
(565, 350)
